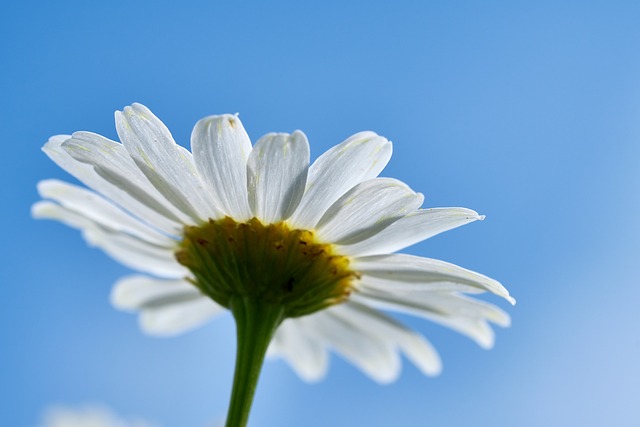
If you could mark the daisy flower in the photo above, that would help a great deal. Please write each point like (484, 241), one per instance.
(304, 256)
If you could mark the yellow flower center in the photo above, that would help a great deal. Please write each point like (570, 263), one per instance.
(272, 263)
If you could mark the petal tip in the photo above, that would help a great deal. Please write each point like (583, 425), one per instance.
(38, 209)
(54, 142)
(149, 324)
(118, 296)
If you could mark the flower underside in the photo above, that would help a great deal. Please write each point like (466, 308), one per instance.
(272, 263)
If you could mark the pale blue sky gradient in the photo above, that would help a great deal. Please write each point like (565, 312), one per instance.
(526, 112)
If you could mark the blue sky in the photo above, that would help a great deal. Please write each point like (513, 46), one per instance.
(526, 112)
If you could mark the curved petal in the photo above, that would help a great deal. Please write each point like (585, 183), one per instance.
(126, 249)
(176, 318)
(221, 149)
(111, 161)
(140, 292)
(417, 349)
(390, 285)
(359, 344)
(49, 210)
(160, 218)
(168, 168)
(463, 314)
(90, 205)
(306, 355)
(413, 228)
(367, 209)
(359, 158)
(277, 174)
(413, 269)
(136, 254)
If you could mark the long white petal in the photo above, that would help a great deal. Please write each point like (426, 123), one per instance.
(359, 158)
(136, 254)
(413, 345)
(413, 269)
(277, 175)
(168, 320)
(88, 176)
(91, 205)
(168, 168)
(390, 285)
(463, 314)
(139, 292)
(367, 209)
(50, 210)
(111, 161)
(126, 249)
(452, 303)
(413, 228)
(305, 354)
(360, 345)
(221, 148)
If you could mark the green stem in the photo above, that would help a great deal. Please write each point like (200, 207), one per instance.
(256, 322)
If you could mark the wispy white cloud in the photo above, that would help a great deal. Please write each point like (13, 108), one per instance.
(88, 416)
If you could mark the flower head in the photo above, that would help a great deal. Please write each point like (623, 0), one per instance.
(228, 221)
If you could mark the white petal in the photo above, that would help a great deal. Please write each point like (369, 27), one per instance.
(277, 175)
(89, 204)
(414, 346)
(414, 269)
(179, 317)
(359, 158)
(359, 344)
(88, 176)
(167, 166)
(111, 161)
(389, 285)
(140, 292)
(367, 209)
(221, 149)
(452, 303)
(413, 228)
(305, 354)
(128, 250)
(136, 254)
(50, 210)
(465, 315)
